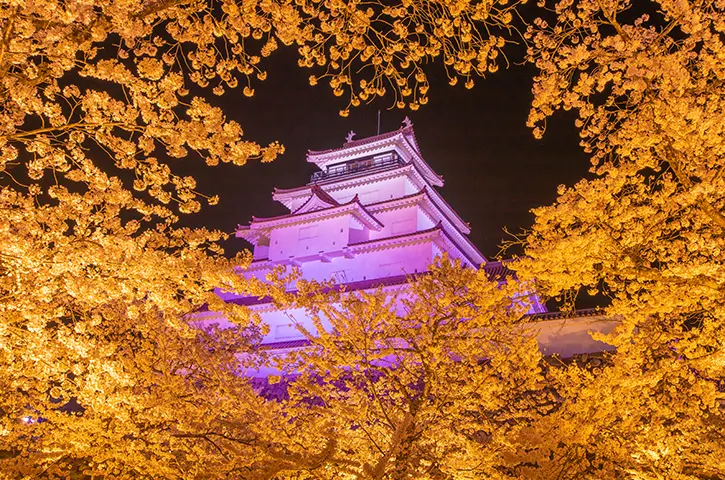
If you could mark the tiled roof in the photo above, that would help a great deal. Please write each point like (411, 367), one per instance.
(590, 312)
(396, 237)
(355, 200)
(361, 141)
(406, 133)
(317, 191)
(349, 287)
(335, 180)
(446, 210)
(587, 312)
(495, 270)
(422, 191)
(249, 301)
(439, 228)
(302, 342)
(499, 271)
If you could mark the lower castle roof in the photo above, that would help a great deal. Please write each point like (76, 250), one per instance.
(497, 271)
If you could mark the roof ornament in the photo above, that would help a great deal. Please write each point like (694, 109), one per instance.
(349, 136)
(407, 123)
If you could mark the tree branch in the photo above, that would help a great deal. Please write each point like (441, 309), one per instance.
(6, 34)
(682, 177)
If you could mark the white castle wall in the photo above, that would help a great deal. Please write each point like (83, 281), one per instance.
(398, 260)
(309, 238)
(376, 191)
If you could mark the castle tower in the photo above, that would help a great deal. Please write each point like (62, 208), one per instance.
(370, 216)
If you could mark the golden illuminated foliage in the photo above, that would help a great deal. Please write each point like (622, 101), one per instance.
(104, 373)
(117, 77)
(645, 230)
(101, 371)
(431, 379)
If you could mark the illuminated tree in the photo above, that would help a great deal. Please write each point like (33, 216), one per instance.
(104, 373)
(645, 230)
(431, 379)
(101, 372)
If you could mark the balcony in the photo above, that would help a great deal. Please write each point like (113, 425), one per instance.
(373, 162)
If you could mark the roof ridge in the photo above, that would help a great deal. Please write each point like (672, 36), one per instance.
(362, 141)
(438, 226)
(324, 210)
(404, 197)
(353, 177)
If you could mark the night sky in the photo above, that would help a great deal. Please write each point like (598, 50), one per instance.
(494, 169)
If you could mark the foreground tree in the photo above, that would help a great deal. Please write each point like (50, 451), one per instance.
(431, 379)
(100, 371)
(103, 375)
(646, 230)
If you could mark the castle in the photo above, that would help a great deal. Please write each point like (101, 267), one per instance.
(370, 217)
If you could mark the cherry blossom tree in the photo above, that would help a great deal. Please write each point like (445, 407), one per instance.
(102, 373)
(433, 378)
(645, 230)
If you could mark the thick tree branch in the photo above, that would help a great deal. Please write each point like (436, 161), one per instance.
(6, 35)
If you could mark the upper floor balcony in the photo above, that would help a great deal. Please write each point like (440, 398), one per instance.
(372, 162)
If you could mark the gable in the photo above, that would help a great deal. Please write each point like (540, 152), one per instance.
(318, 200)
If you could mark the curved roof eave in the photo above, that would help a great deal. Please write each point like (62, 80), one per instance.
(397, 138)
(258, 222)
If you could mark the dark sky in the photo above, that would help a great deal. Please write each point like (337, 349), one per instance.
(494, 169)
